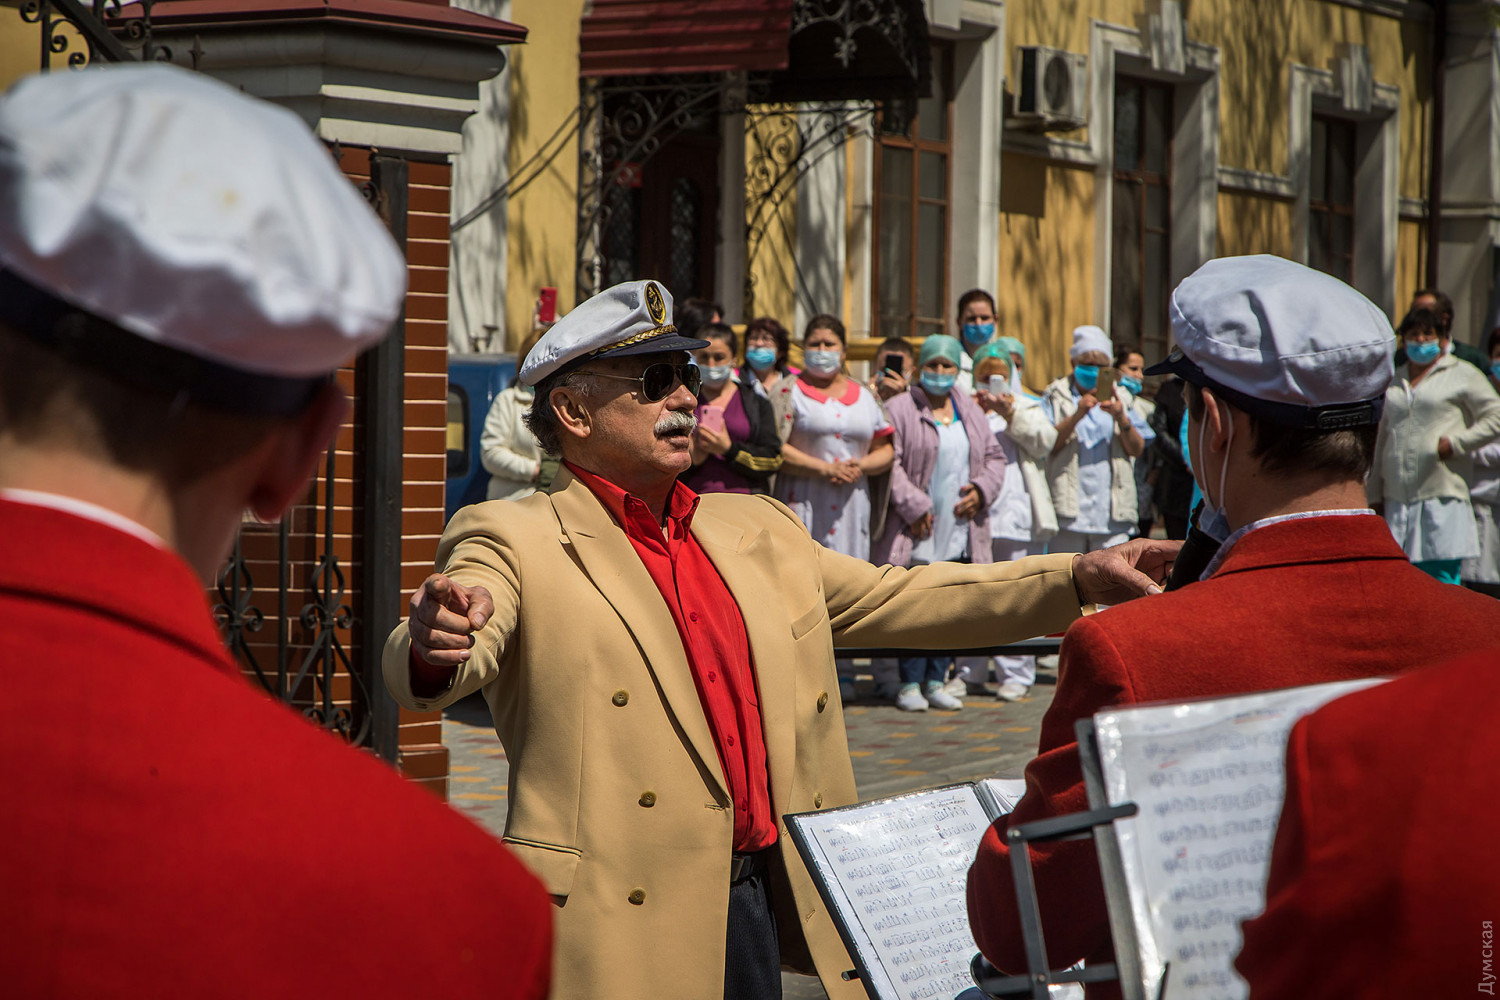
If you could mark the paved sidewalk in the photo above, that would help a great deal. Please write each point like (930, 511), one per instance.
(892, 751)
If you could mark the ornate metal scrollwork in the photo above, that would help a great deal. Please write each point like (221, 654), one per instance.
(106, 31)
(622, 124)
(782, 143)
(323, 617)
(850, 17)
(321, 654)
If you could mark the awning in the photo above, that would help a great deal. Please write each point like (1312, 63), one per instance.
(804, 50)
(647, 37)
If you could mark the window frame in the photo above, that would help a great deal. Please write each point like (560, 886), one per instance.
(916, 145)
(1321, 212)
(1140, 179)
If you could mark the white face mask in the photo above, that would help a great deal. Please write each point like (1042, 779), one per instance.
(823, 362)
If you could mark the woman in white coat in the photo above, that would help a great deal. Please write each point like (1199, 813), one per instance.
(1438, 412)
(1021, 516)
(507, 450)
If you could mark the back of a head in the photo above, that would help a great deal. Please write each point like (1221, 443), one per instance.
(179, 264)
(1305, 356)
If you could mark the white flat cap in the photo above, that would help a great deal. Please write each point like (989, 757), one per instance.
(630, 318)
(1281, 341)
(202, 222)
(1090, 338)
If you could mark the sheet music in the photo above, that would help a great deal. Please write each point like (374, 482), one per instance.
(896, 871)
(1208, 778)
(1000, 795)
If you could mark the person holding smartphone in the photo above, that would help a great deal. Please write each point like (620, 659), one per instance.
(894, 360)
(735, 447)
(1091, 471)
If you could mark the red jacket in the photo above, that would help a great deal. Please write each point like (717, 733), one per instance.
(1296, 602)
(169, 831)
(1384, 877)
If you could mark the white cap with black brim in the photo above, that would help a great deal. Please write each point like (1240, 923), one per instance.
(1283, 342)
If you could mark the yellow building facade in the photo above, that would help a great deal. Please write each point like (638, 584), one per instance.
(1295, 127)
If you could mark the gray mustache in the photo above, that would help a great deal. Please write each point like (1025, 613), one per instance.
(675, 420)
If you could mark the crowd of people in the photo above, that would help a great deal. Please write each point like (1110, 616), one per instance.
(944, 454)
(658, 657)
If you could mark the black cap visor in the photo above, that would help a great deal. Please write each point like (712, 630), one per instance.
(1333, 417)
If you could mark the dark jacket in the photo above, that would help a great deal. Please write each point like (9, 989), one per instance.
(759, 456)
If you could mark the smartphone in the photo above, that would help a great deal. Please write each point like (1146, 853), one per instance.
(894, 363)
(1106, 388)
(711, 418)
(546, 311)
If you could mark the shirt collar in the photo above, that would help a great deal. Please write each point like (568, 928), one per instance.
(628, 509)
(850, 397)
(1266, 522)
(84, 509)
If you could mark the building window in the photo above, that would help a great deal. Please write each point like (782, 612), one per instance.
(1141, 247)
(1330, 222)
(911, 213)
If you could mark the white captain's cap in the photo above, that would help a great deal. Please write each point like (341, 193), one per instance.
(1089, 338)
(1282, 342)
(187, 237)
(631, 318)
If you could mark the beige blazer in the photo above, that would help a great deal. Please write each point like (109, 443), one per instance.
(617, 799)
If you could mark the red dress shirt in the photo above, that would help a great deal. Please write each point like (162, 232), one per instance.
(714, 640)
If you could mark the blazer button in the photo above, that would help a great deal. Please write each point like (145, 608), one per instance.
(818, 801)
(822, 701)
(648, 799)
(620, 698)
(637, 895)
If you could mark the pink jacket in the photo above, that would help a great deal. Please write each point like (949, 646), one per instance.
(916, 443)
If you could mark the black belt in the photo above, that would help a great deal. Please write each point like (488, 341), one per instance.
(743, 866)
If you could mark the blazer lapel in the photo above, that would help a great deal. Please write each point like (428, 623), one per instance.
(613, 565)
(751, 581)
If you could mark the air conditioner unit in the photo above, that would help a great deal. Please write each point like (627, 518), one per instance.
(1053, 89)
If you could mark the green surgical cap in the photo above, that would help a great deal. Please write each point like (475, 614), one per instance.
(940, 345)
(994, 349)
(1013, 345)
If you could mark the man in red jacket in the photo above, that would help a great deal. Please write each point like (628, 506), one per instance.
(1286, 370)
(1383, 878)
(181, 270)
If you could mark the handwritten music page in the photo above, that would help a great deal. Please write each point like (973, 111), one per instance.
(894, 871)
(1208, 777)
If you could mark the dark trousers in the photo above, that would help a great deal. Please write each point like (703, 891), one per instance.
(916, 669)
(752, 958)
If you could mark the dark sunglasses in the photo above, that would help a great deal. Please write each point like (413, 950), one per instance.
(658, 380)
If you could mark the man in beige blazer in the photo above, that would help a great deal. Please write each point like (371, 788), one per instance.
(623, 799)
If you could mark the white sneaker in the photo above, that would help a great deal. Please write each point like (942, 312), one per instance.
(1012, 691)
(910, 699)
(938, 697)
(957, 687)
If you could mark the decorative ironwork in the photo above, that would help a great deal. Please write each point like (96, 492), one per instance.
(622, 124)
(106, 31)
(848, 18)
(319, 653)
(782, 144)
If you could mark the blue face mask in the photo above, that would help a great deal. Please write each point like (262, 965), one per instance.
(823, 362)
(1132, 384)
(978, 333)
(1087, 376)
(760, 358)
(1495, 369)
(1424, 353)
(937, 385)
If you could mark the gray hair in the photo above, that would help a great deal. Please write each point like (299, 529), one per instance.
(541, 420)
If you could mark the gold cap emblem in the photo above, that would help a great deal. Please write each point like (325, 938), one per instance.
(655, 307)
